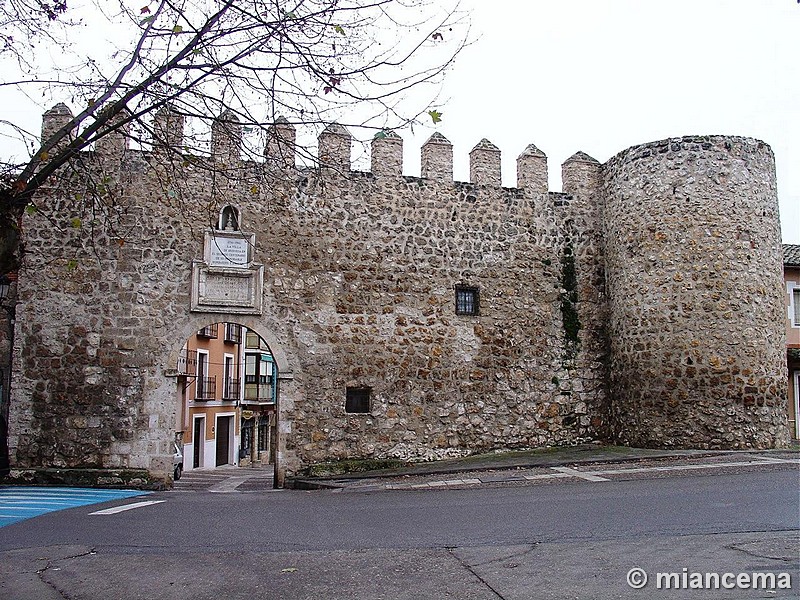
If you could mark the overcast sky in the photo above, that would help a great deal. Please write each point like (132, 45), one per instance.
(603, 75)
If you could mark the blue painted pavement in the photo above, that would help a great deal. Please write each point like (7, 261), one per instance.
(19, 503)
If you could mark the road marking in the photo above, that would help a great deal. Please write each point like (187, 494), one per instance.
(23, 502)
(719, 465)
(579, 474)
(119, 509)
(770, 459)
(228, 485)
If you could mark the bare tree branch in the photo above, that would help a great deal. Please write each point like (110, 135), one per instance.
(311, 61)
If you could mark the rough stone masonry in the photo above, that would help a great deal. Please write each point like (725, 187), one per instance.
(640, 305)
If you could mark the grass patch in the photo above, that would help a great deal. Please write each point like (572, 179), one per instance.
(352, 465)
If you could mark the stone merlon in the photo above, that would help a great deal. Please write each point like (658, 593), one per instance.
(532, 170)
(168, 126)
(387, 154)
(281, 141)
(580, 174)
(484, 164)
(437, 158)
(226, 137)
(54, 119)
(334, 148)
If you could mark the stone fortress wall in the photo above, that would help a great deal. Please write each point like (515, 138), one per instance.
(641, 304)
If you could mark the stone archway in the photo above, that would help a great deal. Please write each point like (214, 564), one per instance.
(166, 377)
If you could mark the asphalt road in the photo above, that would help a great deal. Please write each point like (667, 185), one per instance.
(571, 539)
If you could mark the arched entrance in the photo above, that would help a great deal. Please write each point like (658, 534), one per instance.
(227, 372)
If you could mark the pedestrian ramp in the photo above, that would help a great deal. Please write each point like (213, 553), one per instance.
(20, 503)
(226, 479)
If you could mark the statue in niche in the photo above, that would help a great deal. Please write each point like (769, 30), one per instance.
(228, 219)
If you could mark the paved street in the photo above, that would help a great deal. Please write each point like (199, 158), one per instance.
(569, 538)
(18, 503)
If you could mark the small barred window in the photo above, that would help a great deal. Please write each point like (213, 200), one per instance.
(467, 300)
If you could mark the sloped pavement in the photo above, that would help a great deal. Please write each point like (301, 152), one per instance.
(592, 462)
(226, 479)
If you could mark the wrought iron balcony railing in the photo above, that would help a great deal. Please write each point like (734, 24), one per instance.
(209, 331)
(205, 388)
(231, 391)
(233, 333)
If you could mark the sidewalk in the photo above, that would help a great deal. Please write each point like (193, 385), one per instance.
(544, 463)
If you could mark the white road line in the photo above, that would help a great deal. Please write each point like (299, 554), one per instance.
(119, 509)
(564, 472)
(769, 459)
(578, 474)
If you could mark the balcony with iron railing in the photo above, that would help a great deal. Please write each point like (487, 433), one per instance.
(231, 391)
(209, 331)
(233, 333)
(187, 362)
(205, 388)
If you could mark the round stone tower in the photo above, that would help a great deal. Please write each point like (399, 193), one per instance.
(694, 281)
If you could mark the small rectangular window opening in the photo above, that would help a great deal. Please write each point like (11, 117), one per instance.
(467, 300)
(357, 400)
(796, 301)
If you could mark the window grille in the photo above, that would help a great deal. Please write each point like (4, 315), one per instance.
(467, 300)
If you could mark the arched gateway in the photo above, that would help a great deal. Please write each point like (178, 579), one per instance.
(410, 318)
(226, 379)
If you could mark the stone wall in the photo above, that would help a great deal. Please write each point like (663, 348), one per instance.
(360, 271)
(694, 272)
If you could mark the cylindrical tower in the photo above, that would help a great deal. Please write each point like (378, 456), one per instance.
(694, 279)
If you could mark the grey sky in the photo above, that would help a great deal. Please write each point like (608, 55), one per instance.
(603, 75)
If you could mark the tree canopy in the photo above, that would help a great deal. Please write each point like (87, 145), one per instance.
(311, 62)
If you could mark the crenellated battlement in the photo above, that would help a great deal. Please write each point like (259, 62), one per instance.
(335, 145)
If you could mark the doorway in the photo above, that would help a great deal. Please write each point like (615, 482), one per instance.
(198, 441)
(223, 436)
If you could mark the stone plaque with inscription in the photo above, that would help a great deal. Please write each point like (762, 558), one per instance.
(229, 252)
(228, 289)
(227, 281)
